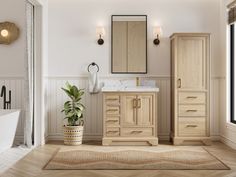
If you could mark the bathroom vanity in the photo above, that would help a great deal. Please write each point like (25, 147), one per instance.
(130, 116)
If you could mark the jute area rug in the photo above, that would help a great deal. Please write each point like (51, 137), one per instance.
(134, 158)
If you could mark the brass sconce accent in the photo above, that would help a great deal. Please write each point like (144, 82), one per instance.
(157, 31)
(9, 32)
(100, 31)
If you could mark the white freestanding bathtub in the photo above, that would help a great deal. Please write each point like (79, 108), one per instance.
(8, 124)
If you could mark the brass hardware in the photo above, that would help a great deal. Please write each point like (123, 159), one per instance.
(192, 110)
(134, 103)
(136, 131)
(137, 81)
(112, 110)
(111, 99)
(139, 103)
(112, 131)
(193, 126)
(179, 83)
(112, 120)
(192, 97)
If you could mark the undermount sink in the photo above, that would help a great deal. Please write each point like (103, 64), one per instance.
(130, 89)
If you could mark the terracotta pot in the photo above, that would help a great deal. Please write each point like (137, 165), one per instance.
(73, 135)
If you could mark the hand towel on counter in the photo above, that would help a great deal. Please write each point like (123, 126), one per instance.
(93, 83)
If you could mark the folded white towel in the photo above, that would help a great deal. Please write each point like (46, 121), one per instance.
(93, 83)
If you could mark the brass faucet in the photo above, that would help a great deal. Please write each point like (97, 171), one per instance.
(137, 81)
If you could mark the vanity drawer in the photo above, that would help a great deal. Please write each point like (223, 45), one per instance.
(192, 98)
(112, 99)
(134, 132)
(112, 121)
(192, 127)
(112, 110)
(112, 131)
(192, 110)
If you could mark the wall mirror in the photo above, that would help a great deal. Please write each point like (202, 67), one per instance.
(129, 44)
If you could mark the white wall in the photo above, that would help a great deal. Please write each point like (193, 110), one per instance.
(12, 56)
(72, 37)
(72, 46)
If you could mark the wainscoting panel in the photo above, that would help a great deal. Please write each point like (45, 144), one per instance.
(16, 85)
(93, 102)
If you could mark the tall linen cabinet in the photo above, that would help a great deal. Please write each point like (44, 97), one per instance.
(190, 88)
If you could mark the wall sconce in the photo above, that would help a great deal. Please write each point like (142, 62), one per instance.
(9, 32)
(157, 31)
(100, 31)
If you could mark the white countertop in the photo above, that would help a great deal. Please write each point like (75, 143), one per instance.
(131, 89)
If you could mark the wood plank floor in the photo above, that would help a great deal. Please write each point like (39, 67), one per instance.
(32, 164)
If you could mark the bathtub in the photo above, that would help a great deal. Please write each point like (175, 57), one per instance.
(8, 124)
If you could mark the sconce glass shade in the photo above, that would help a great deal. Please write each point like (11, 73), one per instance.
(4, 33)
(100, 31)
(157, 30)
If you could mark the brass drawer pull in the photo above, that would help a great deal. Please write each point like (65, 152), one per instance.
(134, 103)
(179, 83)
(191, 110)
(112, 110)
(139, 103)
(112, 99)
(112, 120)
(136, 131)
(192, 97)
(193, 126)
(112, 131)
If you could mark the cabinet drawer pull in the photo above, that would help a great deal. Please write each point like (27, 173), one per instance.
(112, 110)
(137, 131)
(191, 110)
(191, 126)
(112, 120)
(179, 83)
(139, 103)
(112, 99)
(192, 97)
(112, 131)
(134, 103)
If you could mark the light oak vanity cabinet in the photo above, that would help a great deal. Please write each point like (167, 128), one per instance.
(190, 74)
(130, 118)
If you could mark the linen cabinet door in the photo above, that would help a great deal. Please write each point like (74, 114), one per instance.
(145, 110)
(129, 112)
(191, 63)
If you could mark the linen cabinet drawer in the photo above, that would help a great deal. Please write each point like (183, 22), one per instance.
(192, 110)
(192, 98)
(137, 132)
(112, 121)
(112, 110)
(192, 127)
(112, 131)
(112, 99)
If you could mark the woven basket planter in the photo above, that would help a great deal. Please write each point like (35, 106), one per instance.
(73, 135)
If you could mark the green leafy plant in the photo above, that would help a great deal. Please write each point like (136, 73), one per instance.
(73, 108)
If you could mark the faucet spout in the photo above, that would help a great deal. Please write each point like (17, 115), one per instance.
(137, 81)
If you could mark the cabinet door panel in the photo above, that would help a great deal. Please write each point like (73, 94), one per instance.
(145, 110)
(129, 112)
(192, 62)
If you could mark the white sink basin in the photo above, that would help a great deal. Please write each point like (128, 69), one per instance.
(131, 89)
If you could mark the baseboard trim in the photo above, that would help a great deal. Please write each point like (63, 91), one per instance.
(59, 137)
(228, 142)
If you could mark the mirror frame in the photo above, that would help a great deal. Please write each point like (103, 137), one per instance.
(112, 46)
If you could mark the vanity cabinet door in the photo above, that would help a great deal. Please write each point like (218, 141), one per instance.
(145, 110)
(129, 112)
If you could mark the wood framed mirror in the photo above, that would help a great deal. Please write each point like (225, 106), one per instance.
(129, 44)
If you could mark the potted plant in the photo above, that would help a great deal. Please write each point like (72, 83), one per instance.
(73, 110)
